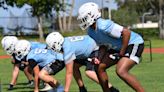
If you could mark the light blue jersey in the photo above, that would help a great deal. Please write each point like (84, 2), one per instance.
(34, 45)
(102, 35)
(78, 47)
(44, 56)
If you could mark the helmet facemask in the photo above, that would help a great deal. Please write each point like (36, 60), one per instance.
(8, 43)
(22, 48)
(88, 14)
(10, 49)
(22, 53)
(55, 41)
(86, 21)
(56, 46)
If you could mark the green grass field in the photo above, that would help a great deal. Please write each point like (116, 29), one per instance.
(150, 74)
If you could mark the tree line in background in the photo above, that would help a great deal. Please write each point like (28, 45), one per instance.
(44, 8)
(129, 12)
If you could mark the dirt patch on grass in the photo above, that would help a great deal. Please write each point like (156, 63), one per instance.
(146, 50)
(154, 50)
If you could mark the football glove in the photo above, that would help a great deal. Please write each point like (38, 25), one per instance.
(22, 66)
(115, 56)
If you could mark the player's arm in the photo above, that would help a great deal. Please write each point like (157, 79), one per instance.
(24, 62)
(12, 61)
(35, 68)
(120, 32)
(102, 51)
(36, 78)
(98, 55)
(68, 76)
(125, 40)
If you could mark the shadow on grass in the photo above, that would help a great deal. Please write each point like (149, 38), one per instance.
(21, 83)
(16, 84)
(18, 89)
(24, 91)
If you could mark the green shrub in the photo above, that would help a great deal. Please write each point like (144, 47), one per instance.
(74, 33)
(148, 33)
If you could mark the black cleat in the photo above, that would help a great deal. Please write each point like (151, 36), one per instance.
(113, 89)
(82, 89)
(11, 87)
(30, 83)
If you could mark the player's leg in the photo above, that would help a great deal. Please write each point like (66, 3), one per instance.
(103, 55)
(29, 76)
(44, 75)
(46, 87)
(100, 69)
(52, 68)
(15, 74)
(77, 74)
(54, 84)
(23, 66)
(123, 67)
(126, 63)
(102, 76)
(90, 73)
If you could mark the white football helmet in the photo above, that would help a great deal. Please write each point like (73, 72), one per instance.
(8, 44)
(22, 48)
(55, 40)
(88, 13)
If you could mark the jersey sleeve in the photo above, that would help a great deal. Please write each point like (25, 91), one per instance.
(59, 56)
(111, 28)
(69, 55)
(31, 55)
(116, 31)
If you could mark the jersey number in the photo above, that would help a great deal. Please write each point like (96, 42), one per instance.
(37, 51)
(76, 38)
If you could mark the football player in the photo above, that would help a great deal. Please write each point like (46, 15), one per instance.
(128, 45)
(76, 50)
(8, 44)
(42, 61)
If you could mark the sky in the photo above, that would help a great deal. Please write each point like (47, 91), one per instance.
(105, 3)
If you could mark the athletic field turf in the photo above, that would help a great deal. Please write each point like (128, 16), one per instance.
(150, 74)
